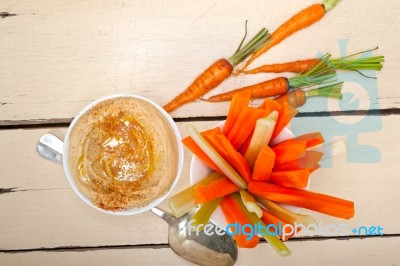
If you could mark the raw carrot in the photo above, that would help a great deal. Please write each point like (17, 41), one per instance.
(216, 73)
(221, 187)
(298, 66)
(273, 222)
(319, 74)
(291, 178)
(270, 105)
(234, 214)
(313, 139)
(298, 97)
(224, 147)
(286, 113)
(344, 63)
(288, 151)
(264, 164)
(196, 150)
(308, 161)
(264, 89)
(302, 198)
(301, 20)
(239, 101)
(244, 125)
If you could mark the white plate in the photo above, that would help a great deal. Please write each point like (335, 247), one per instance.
(199, 170)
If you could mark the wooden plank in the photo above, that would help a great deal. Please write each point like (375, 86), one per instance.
(57, 56)
(370, 251)
(44, 212)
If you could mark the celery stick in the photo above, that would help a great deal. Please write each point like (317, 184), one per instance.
(250, 203)
(202, 215)
(183, 201)
(261, 136)
(285, 214)
(223, 165)
(274, 241)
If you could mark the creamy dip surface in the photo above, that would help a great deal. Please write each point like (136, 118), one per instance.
(123, 154)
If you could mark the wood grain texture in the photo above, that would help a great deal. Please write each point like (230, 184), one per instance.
(57, 56)
(371, 251)
(39, 210)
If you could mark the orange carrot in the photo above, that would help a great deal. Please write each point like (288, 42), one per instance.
(244, 125)
(288, 151)
(294, 98)
(313, 139)
(264, 89)
(299, 66)
(286, 113)
(217, 72)
(234, 214)
(264, 164)
(270, 105)
(305, 199)
(273, 222)
(224, 148)
(207, 80)
(221, 187)
(291, 178)
(308, 161)
(301, 20)
(239, 102)
(196, 150)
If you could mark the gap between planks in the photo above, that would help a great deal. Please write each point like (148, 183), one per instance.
(64, 122)
(161, 246)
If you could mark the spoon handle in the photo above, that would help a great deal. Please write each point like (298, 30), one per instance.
(170, 219)
(50, 147)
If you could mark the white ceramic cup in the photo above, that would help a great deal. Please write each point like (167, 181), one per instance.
(132, 211)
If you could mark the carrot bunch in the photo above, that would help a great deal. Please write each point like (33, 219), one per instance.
(251, 175)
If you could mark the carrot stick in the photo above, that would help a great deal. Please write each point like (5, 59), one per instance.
(270, 105)
(298, 66)
(221, 187)
(302, 198)
(239, 101)
(291, 178)
(308, 161)
(288, 151)
(216, 73)
(244, 125)
(269, 219)
(235, 214)
(312, 139)
(265, 162)
(196, 150)
(286, 113)
(264, 89)
(224, 147)
(301, 20)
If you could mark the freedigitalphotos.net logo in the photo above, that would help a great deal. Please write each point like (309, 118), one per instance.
(286, 230)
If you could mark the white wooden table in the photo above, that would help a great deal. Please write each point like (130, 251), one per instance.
(58, 56)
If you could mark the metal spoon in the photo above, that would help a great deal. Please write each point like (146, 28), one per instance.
(198, 248)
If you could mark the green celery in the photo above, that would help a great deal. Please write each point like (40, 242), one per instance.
(202, 215)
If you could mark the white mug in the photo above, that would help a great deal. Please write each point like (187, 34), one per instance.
(132, 211)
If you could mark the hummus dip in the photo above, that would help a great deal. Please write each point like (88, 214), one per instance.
(123, 154)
